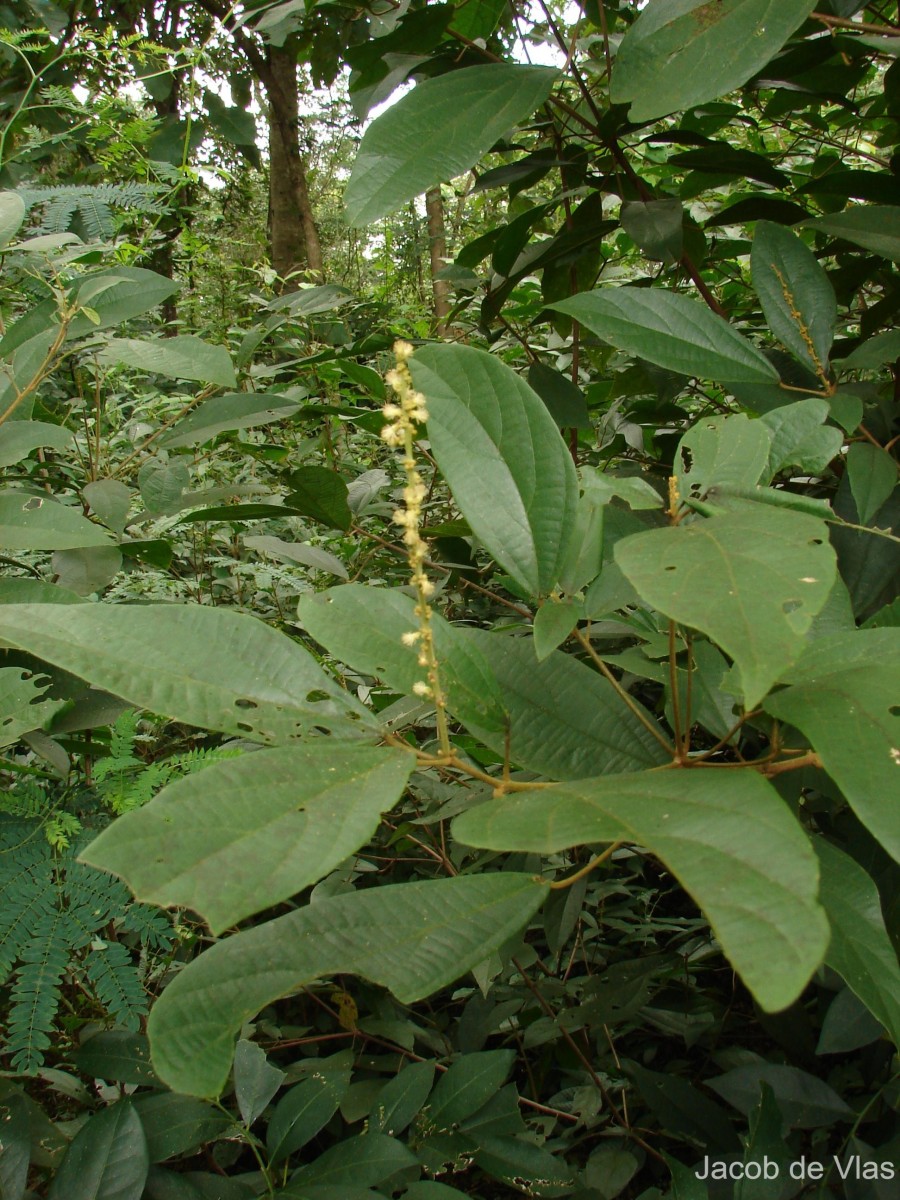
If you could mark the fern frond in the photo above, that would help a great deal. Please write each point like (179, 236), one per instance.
(152, 925)
(91, 204)
(35, 992)
(116, 984)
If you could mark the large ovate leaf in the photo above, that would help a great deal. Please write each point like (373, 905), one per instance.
(758, 892)
(32, 522)
(722, 451)
(860, 949)
(671, 330)
(411, 938)
(244, 835)
(503, 458)
(107, 1160)
(844, 696)
(680, 53)
(19, 438)
(752, 581)
(364, 627)
(183, 357)
(439, 130)
(797, 299)
(257, 684)
(221, 414)
(118, 295)
(875, 227)
(12, 214)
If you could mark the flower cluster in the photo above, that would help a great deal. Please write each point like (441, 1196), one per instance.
(403, 417)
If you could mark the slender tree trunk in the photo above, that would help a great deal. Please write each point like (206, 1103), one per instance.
(292, 228)
(437, 242)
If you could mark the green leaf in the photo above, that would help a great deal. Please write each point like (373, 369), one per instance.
(800, 438)
(184, 357)
(118, 295)
(564, 399)
(298, 552)
(553, 622)
(873, 476)
(19, 438)
(162, 485)
(17, 1138)
(797, 299)
(402, 1098)
(752, 581)
(364, 627)
(765, 1142)
(255, 1080)
(363, 1161)
(221, 414)
(247, 833)
(875, 227)
(87, 569)
(411, 938)
(259, 684)
(107, 1160)
(670, 330)
(116, 1054)
(32, 522)
(110, 500)
(503, 458)
(175, 1124)
(874, 352)
(12, 214)
(528, 1166)
(585, 555)
(848, 1025)
(680, 53)
(731, 451)
(467, 1086)
(805, 1102)
(843, 698)
(656, 227)
(758, 893)
(439, 130)
(861, 949)
(304, 1111)
(321, 494)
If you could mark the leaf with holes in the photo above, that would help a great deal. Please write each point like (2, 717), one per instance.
(259, 684)
(246, 834)
(758, 892)
(412, 938)
(722, 451)
(29, 522)
(752, 581)
(844, 695)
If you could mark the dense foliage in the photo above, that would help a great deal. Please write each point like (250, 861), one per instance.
(450, 656)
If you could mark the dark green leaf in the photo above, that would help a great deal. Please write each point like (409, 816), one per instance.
(116, 1054)
(107, 1160)
(797, 299)
(235, 410)
(321, 494)
(874, 227)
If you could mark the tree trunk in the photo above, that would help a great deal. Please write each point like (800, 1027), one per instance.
(437, 243)
(293, 234)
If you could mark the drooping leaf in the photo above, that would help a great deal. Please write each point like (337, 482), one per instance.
(182, 357)
(298, 552)
(19, 438)
(860, 949)
(875, 227)
(245, 834)
(844, 696)
(439, 130)
(321, 494)
(796, 296)
(107, 1159)
(259, 684)
(552, 625)
(682, 53)
(12, 214)
(873, 476)
(110, 500)
(221, 414)
(805, 1102)
(411, 938)
(752, 581)
(656, 227)
(255, 1080)
(670, 330)
(35, 522)
(758, 893)
(364, 627)
(503, 458)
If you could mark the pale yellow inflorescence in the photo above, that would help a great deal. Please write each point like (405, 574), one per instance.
(403, 417)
